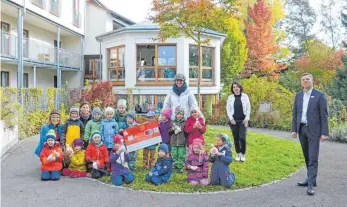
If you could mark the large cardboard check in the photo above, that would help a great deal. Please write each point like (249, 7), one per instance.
(142, 136)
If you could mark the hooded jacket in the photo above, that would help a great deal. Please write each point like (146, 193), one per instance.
(94, 153)
(44, 130)
(77, 161)
(163, 168)
(48, 165)
(180, 138)
(108, 129)
(194, 133)
(92, 125)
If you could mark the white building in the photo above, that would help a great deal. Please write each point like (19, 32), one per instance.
(43, 25)
(135, 60)
(30, 33)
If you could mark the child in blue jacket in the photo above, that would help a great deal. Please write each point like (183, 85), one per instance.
(108, 129)
(221, 158)
(162, 170)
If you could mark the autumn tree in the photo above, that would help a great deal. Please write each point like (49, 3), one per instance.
(190, 18)
(321, 61)
(260, 43)
(338, 89)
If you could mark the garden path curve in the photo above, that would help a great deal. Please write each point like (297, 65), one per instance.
(21, 185)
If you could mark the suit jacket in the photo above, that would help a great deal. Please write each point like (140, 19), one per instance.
(317, 113)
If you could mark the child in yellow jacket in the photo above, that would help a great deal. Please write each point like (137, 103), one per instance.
(77, 167)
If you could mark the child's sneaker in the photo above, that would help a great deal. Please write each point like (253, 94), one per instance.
(238, 157)
(89, 175)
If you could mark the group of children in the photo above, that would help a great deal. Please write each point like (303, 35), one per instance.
(106, 151)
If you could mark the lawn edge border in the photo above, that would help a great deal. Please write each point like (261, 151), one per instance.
(197, 193)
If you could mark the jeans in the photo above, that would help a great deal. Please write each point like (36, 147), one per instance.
(239, 133)
(117, 180)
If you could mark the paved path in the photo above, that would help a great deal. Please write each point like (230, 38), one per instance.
(21, 186)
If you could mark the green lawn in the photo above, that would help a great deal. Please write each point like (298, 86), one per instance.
(267, 159)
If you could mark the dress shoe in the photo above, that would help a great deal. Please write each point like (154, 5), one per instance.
(310, 190)
(305, 183)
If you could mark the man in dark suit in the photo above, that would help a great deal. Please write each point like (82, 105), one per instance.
(310, 120)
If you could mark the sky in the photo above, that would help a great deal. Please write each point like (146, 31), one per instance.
(138, 10)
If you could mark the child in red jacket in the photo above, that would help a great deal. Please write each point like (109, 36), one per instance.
(195, 126)
(51, 158)
(97, 157)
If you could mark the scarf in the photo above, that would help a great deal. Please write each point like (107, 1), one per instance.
(178, 90)
(85, 116)
(97, 145)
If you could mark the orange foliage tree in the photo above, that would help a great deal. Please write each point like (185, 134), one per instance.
(260, 42)
(99, 92)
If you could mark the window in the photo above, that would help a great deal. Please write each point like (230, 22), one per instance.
(5, 38)
(25, 43)
(156, 63)
(92, 68)
(116, 25)
(26, 80)
(5, 79)
(116, 65)
(39, 3)
(206, 58)
(54, 7)
(55, 81)
(76, 13)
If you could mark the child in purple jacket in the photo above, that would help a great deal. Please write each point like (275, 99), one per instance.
(197, 164)
(164, 126)
(119, 158)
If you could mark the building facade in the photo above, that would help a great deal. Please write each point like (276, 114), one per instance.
(42, 43)
(135, 60)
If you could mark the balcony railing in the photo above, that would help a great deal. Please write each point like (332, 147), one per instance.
(55, 7)
(76, 18)
(36, 51)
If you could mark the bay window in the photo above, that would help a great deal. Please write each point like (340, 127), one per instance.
(116, 65)
(206, 58)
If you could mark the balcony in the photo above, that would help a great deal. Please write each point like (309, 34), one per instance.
(38, 52)
(76, 18)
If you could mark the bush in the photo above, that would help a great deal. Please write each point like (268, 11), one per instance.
(290, 80)
(99, 91)
(30, 124)
(263, 90)
(339, 134)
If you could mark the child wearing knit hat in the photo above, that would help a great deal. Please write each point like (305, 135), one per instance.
(77, 166)
(164, 126)
(97, 156)
(109, 128)
(121, 115)
(119, 159)
(51, 158)
(162, 170)
(131, 122)
(73, 129)
(195, 126)
(178, 140)
(92, 125)
(197, 164)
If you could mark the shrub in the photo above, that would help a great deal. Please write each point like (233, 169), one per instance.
(30, 124)
(339, 134)
(281, 99)
(99, 91)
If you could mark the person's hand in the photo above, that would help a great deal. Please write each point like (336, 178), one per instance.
(95, 165)
(212, 155)
(323, 137)
(150, 174)
(57, 154)
(245, 123)
(294, 134)
(233, 122)
(121, 130)
(193, 167)
(125, 133)
(126, 152)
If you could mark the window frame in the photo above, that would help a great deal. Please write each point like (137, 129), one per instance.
(57, 14)
(156, 66)
(94, 77)
(213, 66)
(8, 78)
(26, 76)
(117, 68)
(9, 41)
(42, 6)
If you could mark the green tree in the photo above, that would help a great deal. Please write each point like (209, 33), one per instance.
(338, 89)
(234, 52)
(191, 18)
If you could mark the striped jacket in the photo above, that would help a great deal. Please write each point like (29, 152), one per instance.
(201, 161)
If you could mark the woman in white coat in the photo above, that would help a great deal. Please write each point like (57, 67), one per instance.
(180, 96)
(239, 110)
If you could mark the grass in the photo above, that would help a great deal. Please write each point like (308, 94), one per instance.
(268, 158)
